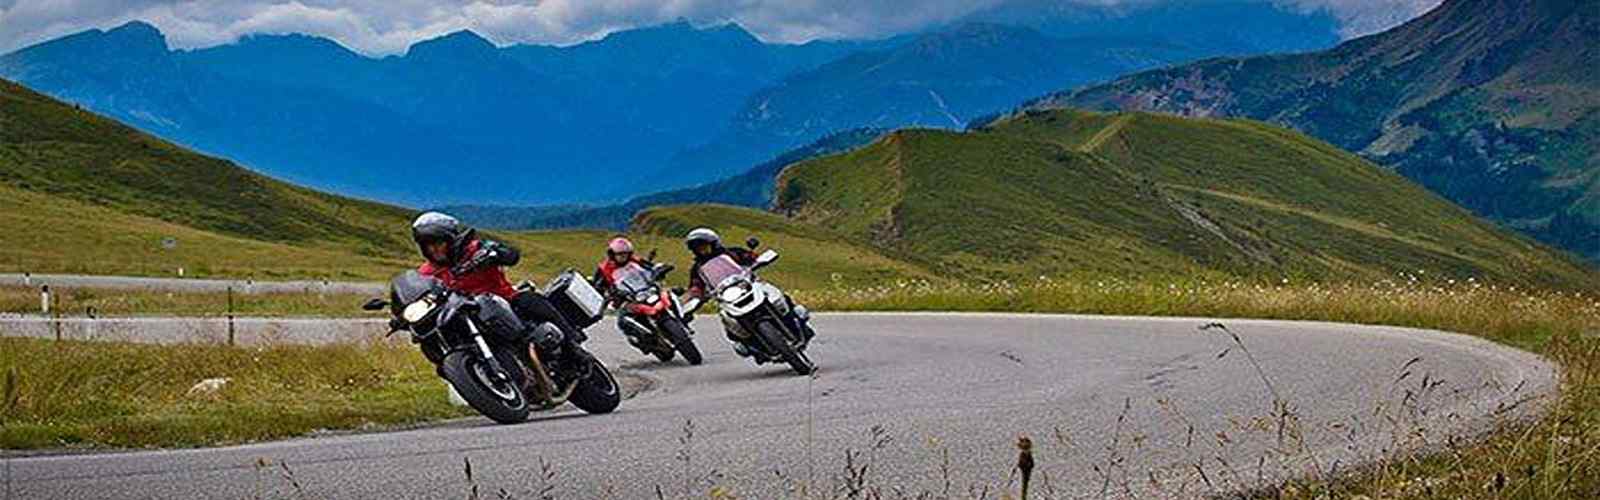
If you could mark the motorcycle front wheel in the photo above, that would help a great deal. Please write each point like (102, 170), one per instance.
(779, 343)
(501, 401)
(679, 334)
(598, 393)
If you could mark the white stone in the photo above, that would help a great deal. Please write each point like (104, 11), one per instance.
(208, 386)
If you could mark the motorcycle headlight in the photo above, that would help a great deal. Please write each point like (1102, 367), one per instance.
(417, 311)
(644, 296)
(733, 293)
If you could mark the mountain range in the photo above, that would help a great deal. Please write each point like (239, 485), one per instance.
(457, 119)
(1494, 104)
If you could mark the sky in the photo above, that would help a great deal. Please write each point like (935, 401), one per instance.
(382, 27)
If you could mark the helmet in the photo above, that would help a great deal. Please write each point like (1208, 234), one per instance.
(702, 235)
(618, 245)
(434, 227)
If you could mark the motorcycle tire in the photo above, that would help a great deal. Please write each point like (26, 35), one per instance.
(773, 337)
(502, 402)
(664, 355)
(599, 392)
(679, 334)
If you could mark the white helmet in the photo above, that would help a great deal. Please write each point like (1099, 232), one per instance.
(702, 235)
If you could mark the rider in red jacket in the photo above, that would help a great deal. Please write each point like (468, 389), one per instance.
(619, 253)
(469, 264)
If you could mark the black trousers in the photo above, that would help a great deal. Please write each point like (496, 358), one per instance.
(533, 309)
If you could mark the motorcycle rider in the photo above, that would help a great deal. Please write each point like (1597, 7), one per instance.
(457, 256)
(619, 253)
(706, 244)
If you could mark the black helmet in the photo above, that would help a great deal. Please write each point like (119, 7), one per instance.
(433, 227)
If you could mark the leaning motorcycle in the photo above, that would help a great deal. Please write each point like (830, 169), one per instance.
(461, 334)
(653, 319)
(761, 321)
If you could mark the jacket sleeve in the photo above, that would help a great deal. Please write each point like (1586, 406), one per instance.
(697, 287)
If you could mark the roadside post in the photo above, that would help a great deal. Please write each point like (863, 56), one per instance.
(27, 278)
(89, 326)
(230, 316)
(44, 300)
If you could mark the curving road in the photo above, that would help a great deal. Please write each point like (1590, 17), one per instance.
(1131, 407)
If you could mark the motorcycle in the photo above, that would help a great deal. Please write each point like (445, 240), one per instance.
(653, 318)
(761, 321)
(462, 334)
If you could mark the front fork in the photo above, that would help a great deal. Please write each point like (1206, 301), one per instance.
(488, 354)
(542, 385)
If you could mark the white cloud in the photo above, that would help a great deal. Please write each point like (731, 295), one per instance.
(1365, 17)
(389, 26)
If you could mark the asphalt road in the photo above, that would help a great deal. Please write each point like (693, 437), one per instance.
(1119, 407)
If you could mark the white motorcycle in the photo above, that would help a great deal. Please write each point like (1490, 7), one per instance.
(763, 323)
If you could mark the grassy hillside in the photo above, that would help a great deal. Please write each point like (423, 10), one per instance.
(1060, 192)
(1493, 104)
(63, 235)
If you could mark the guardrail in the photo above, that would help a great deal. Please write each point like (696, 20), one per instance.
(220, 330)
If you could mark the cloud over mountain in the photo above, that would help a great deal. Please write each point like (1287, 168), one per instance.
(381, 27)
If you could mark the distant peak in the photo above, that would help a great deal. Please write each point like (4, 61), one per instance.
(138, 32)
(136, 27)
(456, 42)
(681, 30)
(465, 36)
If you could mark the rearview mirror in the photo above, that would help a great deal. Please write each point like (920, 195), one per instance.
(662, 270)
(375, 305)
(766, 258)
(652, 256)
(752, 243)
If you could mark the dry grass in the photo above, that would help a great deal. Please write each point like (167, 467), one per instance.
(104, 394)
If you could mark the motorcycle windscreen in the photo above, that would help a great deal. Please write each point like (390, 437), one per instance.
(717, 271)
(411, 285)
(632, 278)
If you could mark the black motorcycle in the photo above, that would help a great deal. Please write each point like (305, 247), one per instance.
(461, 334)
(651, 316)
